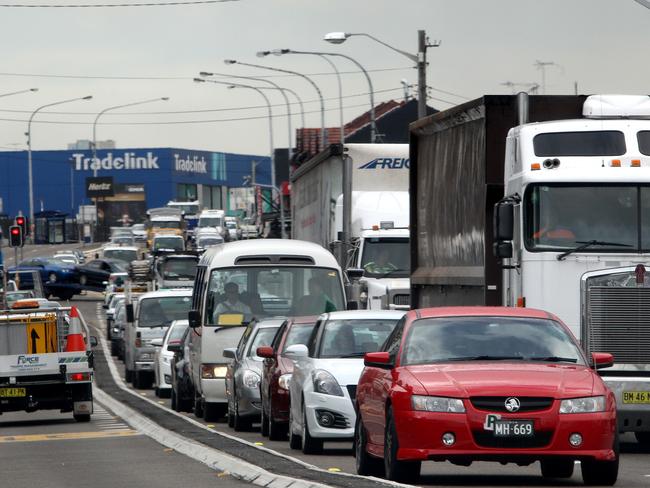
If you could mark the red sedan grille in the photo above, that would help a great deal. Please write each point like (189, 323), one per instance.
(487, 439)
(498, 403)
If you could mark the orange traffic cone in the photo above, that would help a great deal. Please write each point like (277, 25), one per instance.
(75, 341)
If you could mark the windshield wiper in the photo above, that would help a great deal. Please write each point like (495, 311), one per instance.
(586, 244)
(483, 358)
(553, 359)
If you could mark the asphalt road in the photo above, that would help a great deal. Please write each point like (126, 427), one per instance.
(49, 449)
(634, 471)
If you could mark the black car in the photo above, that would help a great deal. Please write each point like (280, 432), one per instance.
(182, 389)
(94, 274)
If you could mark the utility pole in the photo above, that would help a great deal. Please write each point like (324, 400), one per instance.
(423, 44)
(541, 65)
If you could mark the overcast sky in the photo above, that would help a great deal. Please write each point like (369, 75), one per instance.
(600, 44)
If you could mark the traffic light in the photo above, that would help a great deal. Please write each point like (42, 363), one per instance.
(15, 236)
(22, 222)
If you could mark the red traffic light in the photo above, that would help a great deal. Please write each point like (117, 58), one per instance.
(20, 221)
(15, 236)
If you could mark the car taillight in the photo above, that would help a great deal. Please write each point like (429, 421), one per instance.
(70, 377)
(138, 342)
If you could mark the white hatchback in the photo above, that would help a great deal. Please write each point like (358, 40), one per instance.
(326, 372)
(163, 358)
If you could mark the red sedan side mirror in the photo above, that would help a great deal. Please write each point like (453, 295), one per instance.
(378, 360)
(265, 352)
(602, 360)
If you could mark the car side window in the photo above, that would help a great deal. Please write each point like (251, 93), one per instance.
(244, 340)
(278, 337)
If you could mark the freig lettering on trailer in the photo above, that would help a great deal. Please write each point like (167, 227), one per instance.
(128, 161)
(387, 163)
(190, 165)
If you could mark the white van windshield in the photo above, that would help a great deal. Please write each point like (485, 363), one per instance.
(273, 290)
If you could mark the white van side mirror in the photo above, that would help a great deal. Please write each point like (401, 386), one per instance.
(295, 352)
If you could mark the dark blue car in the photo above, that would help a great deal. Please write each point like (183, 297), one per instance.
(59, 278)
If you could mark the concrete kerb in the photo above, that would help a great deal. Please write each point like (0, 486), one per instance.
(247, 469)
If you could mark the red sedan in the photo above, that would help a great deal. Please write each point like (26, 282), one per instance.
(276, 374)
(464, 384)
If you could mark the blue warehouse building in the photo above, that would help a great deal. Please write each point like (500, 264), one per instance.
(152, 176)
(143, 178)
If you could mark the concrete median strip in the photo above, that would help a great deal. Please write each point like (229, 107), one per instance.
(215, 458)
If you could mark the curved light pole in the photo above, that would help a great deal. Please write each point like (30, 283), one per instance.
(18, 92)
(373, 125)
(29, 153)
(261, 54)
(272, 85)
(271, 148)
(95, 162)
(420, 59)
(320, 95)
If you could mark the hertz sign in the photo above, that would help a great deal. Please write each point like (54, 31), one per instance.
(101, 186)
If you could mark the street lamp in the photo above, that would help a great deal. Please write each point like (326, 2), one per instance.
(18, 92)
(373, 125)
(29, 152)
(271, 148)
(274, 86)
(320, 95)
(95, 162)
(420, 60)
(261, 54)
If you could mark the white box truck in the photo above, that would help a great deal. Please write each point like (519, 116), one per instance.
(379, 215)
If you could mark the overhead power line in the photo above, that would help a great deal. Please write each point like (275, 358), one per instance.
(112, 5)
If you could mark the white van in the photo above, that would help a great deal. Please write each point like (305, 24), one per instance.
(273, 277)
(152, 315)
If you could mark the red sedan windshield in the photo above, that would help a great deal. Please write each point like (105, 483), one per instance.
(488, 338)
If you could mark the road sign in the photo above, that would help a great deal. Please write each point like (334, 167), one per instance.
(41, 337)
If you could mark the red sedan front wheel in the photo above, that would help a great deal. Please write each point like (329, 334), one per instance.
(396, 470)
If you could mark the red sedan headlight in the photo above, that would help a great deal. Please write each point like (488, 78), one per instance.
(583, 405)
(437, 404)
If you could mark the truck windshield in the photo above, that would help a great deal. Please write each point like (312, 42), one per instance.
(265, 291)
(161, 311)
(386, 257)
(179, 269)
(187, 209)
(561, 217)
(166, 224)
(174, 243)
(210, 222)
(126, 255)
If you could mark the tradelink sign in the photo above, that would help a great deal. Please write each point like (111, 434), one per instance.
(387, 163)
(128, 160)
(190, 164)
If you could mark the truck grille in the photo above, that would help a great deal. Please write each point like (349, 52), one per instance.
(402, 299)
(618, 322)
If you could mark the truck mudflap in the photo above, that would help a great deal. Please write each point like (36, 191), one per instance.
(632, 402)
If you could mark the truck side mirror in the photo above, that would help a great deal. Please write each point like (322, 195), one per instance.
(504, 218)
(502, 250)
(130, 316)
(194, 318)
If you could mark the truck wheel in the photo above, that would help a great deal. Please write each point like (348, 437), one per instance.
(557, 468)
(600, 473)
(174, 402)
(264, 428)
(114, 349)
(128, 375)
(82, 417)
(65, 295)
(141, 380)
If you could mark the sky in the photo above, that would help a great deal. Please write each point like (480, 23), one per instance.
(123, 55)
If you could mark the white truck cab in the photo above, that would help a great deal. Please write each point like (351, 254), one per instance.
(255, 279)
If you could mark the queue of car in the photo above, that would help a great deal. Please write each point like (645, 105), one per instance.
(263, 345)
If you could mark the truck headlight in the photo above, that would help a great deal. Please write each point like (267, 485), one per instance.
(583, 405)
(437, 404)
(251, 379)
(284, 381)
(213, 371)
(325, 383)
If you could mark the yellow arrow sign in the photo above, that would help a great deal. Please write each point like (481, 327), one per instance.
(41, 338)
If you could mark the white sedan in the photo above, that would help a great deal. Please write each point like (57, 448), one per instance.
(163, 358)
(326, 372)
